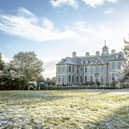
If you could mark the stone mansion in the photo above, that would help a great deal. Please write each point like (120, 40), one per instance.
(104, 68)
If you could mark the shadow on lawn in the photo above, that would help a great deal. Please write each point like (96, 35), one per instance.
(116, 120)
(106, 91)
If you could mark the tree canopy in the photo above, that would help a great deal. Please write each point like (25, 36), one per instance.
(126, 66)
(1, 62)
(27, 65)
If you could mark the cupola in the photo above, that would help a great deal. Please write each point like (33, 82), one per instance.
(105, 50)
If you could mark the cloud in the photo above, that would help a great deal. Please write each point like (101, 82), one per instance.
(114, 32)
(48, 24)
(74, 3)
(80, 36)
(24, 24)
(24, 12)
(108, 11)
(60, 3)
(94, 3)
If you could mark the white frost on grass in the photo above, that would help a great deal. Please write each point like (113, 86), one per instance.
(106, 109)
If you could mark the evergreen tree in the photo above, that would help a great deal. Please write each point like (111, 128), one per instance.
(1, 62)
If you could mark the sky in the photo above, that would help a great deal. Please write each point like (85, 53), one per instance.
(53, 29)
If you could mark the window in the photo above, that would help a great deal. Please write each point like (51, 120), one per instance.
(77, 69)
(102, 80)
(63, 78)
(85, 78)
(86, 70)
(69, 68)
(81, 69)
(81, 79)
(73, 78)
(62, 68)
(69, 78)
(119, 65)
(102, 68)
(96, 77)
(113, 77)
(97, 69)
(58, 78)
(58, 69)
(77, 79)
(73, 68)
(113, 65)
(117, 56)
(91, 79)
(91, 69)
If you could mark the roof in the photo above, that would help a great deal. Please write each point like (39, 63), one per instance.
(89, 60)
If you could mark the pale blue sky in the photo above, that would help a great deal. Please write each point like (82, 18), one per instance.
(55, 28)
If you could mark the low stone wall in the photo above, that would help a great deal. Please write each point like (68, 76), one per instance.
(52, 87)
(125, 85)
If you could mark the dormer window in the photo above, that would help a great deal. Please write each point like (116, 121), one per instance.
(117, 56)
(84, 62)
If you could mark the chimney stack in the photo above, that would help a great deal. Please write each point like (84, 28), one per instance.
(87, 54)
(74, 54)
(97, 53)
(113, 51)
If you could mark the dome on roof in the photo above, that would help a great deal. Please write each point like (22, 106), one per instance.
(105, 47)
(105, 50)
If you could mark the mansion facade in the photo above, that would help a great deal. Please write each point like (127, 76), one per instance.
(104, 68)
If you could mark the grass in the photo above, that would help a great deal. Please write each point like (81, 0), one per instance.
(64, 109)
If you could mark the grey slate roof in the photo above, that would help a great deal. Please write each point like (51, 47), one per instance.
(102, 59)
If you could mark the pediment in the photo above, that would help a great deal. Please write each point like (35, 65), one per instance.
(96, 61)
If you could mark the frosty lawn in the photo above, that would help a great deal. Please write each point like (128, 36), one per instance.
(68, 109)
